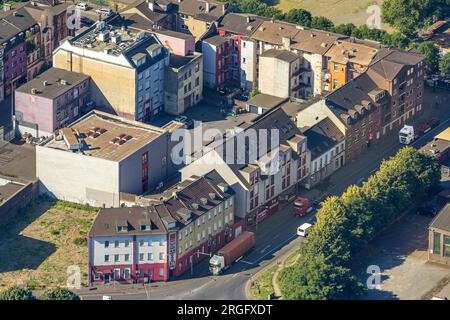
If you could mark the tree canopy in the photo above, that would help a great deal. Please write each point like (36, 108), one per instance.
(59, 294)
(16, 293)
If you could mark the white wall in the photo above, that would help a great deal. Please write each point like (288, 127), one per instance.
(154, 243)
(209, 64)
(248, 68)
(98, 250)
(77, 178)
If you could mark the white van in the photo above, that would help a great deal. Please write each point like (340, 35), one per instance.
(304, 229)
(105, 11)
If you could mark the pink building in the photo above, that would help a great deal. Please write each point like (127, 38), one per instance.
(50, 101)
(178, 43)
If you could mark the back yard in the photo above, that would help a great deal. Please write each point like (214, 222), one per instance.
(37, 246)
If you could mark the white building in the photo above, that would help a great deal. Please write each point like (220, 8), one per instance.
(100, 156)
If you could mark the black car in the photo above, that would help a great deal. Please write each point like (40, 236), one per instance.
(426, 211)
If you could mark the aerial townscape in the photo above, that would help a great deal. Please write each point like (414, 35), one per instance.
(224, 150)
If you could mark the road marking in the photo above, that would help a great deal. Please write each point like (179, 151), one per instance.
(247, 262)
(275, 248)
(265, 248)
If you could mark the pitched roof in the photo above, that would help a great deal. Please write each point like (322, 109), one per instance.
(108, 219)
(217, 40)
(322, 137)
(13, 22)
(54, 86)
(241, 23)
(197, 9)
(442, 220)
(388, 62)
(274, 31)
(283, 55)
(314, 41)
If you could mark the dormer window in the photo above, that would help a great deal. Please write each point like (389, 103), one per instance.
(146, 227)
(122, 229)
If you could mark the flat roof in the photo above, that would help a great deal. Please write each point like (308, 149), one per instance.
(444, 135)
(58, 82)
(116, 138)
(265, 101)
(7, 190)
(347, 51)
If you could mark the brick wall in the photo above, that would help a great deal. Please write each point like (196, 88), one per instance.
(18, 200)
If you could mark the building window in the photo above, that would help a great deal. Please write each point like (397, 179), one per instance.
(127, 257)
(436, 243)
(161, 272)
(161, 256)
(336, 67)
(141, 243)
(150, 256)
(106, 258)
(446, 246)
(116, 258)
(116, 244)
(127, 273)
(127, 243)
(106, 244)
(141, 257)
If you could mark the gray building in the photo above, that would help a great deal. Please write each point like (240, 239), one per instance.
(439, 237)
(100, 158)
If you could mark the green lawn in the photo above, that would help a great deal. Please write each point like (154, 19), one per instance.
(262, 287)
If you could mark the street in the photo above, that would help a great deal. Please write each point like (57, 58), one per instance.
(275, 236)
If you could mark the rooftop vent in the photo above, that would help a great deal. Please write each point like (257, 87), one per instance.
(45, 83)
(63, 82)
(121, 139)
(204, 201)
(34, 91)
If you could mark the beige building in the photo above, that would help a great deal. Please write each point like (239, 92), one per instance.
(183, 83)
(439, 237)
(279, 73)
(126, 68)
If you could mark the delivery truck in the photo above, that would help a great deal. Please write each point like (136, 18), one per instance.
(231, 252)
(301, 206)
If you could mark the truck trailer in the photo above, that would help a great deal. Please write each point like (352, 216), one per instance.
(231, 252)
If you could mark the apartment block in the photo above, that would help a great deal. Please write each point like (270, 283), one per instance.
(51, 101)
(100, 157)
(126, 68)
(258, 167)
(218, 64)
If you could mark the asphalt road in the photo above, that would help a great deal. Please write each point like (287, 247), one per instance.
(275, 236)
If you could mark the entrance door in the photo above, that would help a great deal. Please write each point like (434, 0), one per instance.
(106, 279)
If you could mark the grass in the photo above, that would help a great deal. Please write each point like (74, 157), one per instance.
(262, 287)
(291, 258)
(338, 11)
(38, 245)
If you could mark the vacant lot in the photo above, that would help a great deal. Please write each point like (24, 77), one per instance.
(37, 248)
(339, 11)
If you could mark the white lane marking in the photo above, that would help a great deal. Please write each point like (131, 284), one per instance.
(265, 248)
(275, 248)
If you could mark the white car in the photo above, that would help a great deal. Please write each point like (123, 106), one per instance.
(82, 6)
(304, 229)
(107, 298)
(105, 11)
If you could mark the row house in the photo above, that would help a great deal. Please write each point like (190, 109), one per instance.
(238, 27)
(127, 245)
(400, 73)
(126, 66)
(200, 18)
(100, 157)
(51, 101)
(265, 159)
(220, 62)
(150, 14)
(166, 234)
(356, 110)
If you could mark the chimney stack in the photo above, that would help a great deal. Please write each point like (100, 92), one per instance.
(207, 7)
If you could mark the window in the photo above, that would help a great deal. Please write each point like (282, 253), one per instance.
(336, 67)
(116, 257)
(180, 236)
(106, 244)
(127, 243)
(161, 256)
(116, 244)
(127, 273)
(161, 272)
(198, 237)
(141, 257)
(127, 257)
(141, 243)
(106, 258)
(436, 243)
(446, 246)
(150, 256)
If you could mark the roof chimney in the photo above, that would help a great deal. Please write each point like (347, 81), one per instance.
(151, 5)
(207, 7)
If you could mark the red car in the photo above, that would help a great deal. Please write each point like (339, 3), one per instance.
(301, 206)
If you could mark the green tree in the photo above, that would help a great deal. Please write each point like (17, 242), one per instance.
(322, 23)
(347, 29)
(444, 65)
(299, 16)
(253, 92)
(16, 293)
(431, 53)
(405, 15)
(59, 294)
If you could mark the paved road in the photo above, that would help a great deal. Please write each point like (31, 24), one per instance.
(275, 236)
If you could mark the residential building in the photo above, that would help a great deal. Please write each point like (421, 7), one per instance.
(264, 159)
(126, 67)
(326, 144)
(279, 72)
(218, 68)
(100, 156)
(439, 237)
(183, 81)
(144, 15)
(200, 18)
(203, 209)
(401, 74)
(355, 109)
(238, 27)
(345, 60)
(51, 101)
(128, 245)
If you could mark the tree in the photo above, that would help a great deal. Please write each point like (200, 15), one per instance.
(444, 65)
(431, 53)
(253, 92)
(16, 293)
(59, 294)
(298, 16)
(322, 23)
(405, 15)
(347, 29)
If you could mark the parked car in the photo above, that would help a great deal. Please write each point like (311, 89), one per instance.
(426, 211)
(107, 298)
(304, 229)
(182, 119)
(105, 11)
(82, 6)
